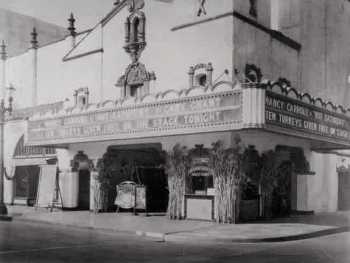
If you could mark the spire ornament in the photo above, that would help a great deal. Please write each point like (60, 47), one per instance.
(34, 40)
(136, 79)
(71, 27)
(3, 53)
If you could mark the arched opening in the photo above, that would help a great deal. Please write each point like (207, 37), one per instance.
(135, 29)
(140, 163)
(82, 165)
(84, 190)
(201, 79)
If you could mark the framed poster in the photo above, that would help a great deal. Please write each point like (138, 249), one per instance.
(125, 195)
(140, 197)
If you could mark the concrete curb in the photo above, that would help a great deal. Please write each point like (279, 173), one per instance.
(320, 233)
(187, 235)
(155, 235)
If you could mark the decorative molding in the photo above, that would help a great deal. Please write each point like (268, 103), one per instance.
(208, 75)
(252, 73)
(81, 161)
(135, 74)
(81, 97)
(189, 113)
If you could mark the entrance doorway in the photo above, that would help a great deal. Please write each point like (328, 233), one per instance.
(281, 195)
(84, 190)
(291, 161)
(142, 164)
(26, 180)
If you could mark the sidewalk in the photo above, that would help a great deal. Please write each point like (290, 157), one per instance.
(161, 228)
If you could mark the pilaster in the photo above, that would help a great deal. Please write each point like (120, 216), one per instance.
(34, 52)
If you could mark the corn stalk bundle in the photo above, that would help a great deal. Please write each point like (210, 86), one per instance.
(96, 189)
(176, 169)
(104, 179)
(226, 166)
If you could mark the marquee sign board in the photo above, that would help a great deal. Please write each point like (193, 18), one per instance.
(208, 112)
(286, 112)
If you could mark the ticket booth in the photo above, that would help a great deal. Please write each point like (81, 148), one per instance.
(200, 193)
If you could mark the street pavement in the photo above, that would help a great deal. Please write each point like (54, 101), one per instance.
(171, 230)
(22, 241)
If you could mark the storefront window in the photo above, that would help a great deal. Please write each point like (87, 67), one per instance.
(200, 184)
(200, 175)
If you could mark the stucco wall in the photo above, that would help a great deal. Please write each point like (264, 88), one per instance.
(325, 41)
(13, 131)
(19, 72)
(168, 53)
(255, 46)
(323, 186)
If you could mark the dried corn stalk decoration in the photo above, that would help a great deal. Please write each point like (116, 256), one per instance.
(177, 165)
(226, 165)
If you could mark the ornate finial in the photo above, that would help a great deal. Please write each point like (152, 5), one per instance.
(252, 73)
(34, 40)
(135, 25)
(135, 5)
(71, 27)
(3, 52)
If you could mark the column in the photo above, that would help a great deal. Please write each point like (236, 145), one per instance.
(190, 77)
(3, 56)
(34, 52)
(253, 108)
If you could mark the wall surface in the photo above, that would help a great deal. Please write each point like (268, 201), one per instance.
(13, 131)
(325, 40)
(176, 39)
(253, 45)
(168, 53)
(323, 186)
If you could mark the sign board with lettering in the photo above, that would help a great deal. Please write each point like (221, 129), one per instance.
(286, 112)
(209, 112)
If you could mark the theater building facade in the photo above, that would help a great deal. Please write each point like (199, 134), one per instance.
(138, 83)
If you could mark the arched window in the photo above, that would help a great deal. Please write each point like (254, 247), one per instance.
(201, 79)
(135, 30)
